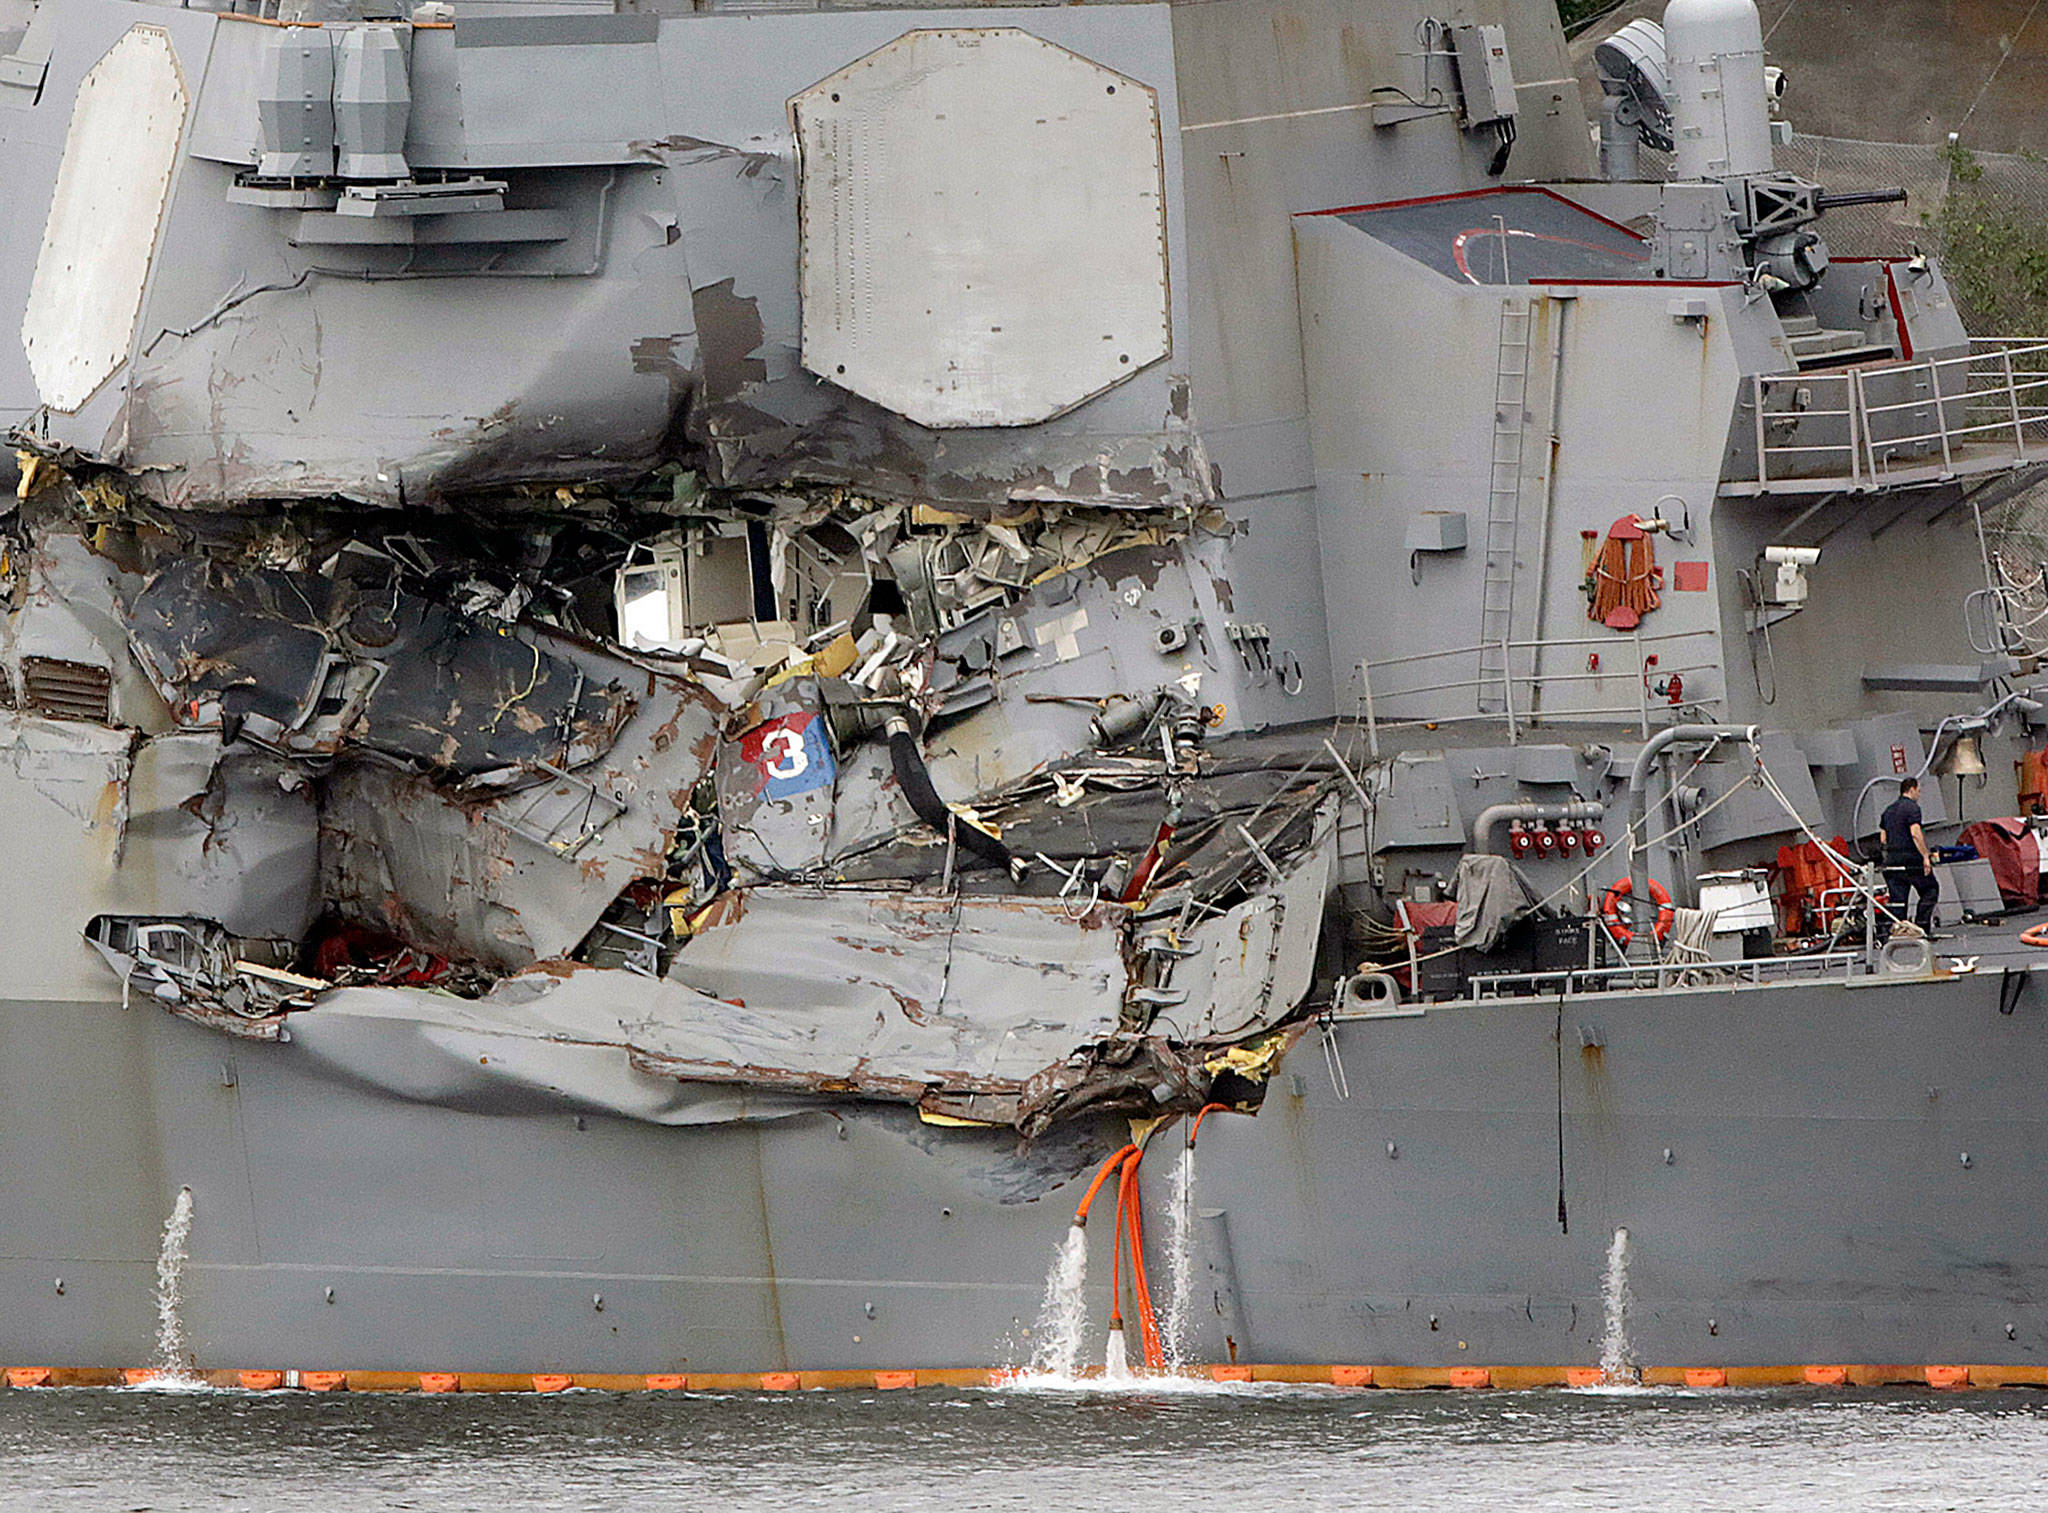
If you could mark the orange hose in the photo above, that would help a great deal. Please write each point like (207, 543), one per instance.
(1141, 1287)
(1081, 1213)
(1206, 1110)
(1128, 1216)
(1116, 1259)
(1123, 1228)
(2037, 935)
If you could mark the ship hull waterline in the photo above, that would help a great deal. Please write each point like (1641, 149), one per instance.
(1808, 1172)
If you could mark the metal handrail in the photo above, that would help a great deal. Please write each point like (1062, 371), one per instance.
(1533, 681)
(1546, 644)
(1641, 976)
(1968, 401)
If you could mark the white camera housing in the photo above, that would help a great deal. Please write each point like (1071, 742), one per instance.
(1788, 585)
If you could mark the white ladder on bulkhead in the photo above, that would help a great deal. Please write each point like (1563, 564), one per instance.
(1503, 503)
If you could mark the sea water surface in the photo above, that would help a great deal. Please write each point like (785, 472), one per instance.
(1067, 1451)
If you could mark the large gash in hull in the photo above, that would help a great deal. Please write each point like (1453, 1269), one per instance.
(491, 722)
(666, 669)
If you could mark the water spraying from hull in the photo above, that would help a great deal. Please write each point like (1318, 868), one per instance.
(1617, 1364)
(1116, 1365)
(173, 1362)
(1060, 1337)
(1180, 1260)
(1063, 1316)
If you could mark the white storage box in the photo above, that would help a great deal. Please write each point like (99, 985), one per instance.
(1739, 901)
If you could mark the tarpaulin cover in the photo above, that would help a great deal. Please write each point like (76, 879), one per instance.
(1488, 897)
(2015, 858)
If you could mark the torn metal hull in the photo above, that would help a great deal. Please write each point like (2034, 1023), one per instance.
(1814, 1205)
(517, 1238)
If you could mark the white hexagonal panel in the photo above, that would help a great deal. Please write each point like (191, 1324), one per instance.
(101, 233)
(984, 228)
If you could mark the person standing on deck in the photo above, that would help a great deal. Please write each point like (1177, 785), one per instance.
(1908, 864)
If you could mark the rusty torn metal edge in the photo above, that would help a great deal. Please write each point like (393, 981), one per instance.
(1393, 1378)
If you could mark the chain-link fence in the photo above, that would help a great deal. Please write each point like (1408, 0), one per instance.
(1876, 230)
(1985, 215)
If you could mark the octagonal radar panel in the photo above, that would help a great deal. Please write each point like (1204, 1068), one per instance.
(983, 228)
(100, 237)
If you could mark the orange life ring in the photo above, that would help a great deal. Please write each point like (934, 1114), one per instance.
(1610, 906)
(2036, 936)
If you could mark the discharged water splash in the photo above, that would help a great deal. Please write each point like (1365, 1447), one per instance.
(1617, 1367)
(1063, 1316)
(173, 1356)
(1116, 1365)
(1180, 1261)
(1060, 1335)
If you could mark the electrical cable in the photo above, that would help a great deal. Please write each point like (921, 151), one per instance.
(915, 781)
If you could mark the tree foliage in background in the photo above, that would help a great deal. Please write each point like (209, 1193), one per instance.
(1576, 13)
(1992, 235)
(1994, 248)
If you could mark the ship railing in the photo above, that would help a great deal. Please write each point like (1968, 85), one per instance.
(1522, 694)
(1890, 425)
(1637, 977)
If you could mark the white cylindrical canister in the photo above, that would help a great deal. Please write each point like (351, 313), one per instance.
(1721, 118)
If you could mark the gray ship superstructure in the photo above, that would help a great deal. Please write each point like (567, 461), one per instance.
(670, 668)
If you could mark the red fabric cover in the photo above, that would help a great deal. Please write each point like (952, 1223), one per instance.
(2015, 858)
(1413, 919)
(1419, 917)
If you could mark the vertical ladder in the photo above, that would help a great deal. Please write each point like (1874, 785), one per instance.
(1503, 503)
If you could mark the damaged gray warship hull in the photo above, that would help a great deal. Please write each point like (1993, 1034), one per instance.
(677, 676)
(516, 1241)
(1390, 1227)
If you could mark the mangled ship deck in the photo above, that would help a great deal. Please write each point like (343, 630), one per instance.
(666, 670)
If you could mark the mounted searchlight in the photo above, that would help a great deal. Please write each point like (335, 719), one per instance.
(1788, 585)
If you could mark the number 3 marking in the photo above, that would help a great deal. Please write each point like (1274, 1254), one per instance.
(783, 754)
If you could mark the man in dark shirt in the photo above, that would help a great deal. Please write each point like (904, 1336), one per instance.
(1908, 864)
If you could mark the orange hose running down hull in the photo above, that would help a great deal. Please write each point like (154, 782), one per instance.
(1112, 1164)
(1116, 1250)
(1141, 1286)
(1206, 1110)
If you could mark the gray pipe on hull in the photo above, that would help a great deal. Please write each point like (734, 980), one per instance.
(1639, 787)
